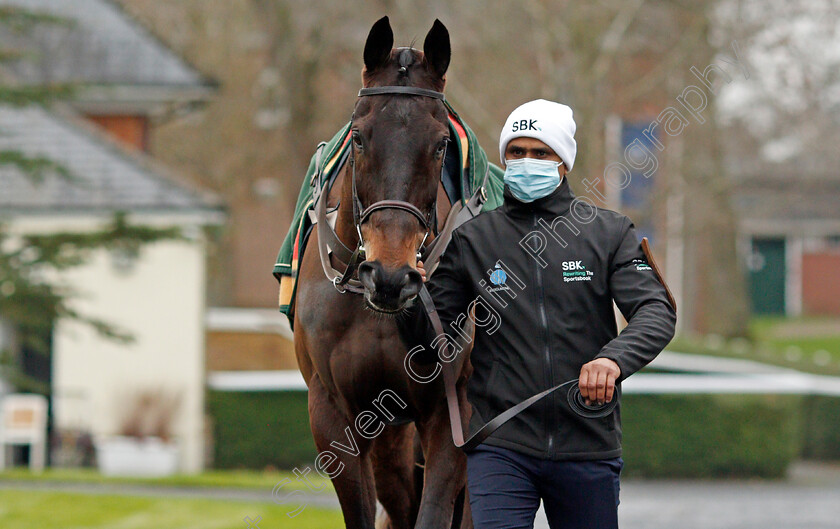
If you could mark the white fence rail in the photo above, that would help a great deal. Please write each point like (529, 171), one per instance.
(717, 375)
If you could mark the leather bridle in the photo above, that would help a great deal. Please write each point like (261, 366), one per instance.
(328, 240)
(360, 213)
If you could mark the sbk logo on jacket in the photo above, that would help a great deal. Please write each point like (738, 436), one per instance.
(575, 271)
(573, 265)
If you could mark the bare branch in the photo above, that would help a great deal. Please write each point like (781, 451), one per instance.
(611, 42)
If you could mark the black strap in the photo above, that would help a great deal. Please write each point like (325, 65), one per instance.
(573, 396)
(404, 90)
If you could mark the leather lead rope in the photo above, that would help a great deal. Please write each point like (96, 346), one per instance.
(573, 396)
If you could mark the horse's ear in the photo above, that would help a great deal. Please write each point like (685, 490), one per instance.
(379, 43)
(437, 49)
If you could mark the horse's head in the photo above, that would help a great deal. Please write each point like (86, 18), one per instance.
(399, 142)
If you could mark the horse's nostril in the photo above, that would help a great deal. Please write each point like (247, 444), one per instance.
(412, 283)
(368, 275)
(413, 276)
(389, 289)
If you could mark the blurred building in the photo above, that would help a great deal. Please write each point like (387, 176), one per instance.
(790, 235)
(123, 79)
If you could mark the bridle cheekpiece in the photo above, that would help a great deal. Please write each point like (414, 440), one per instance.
(361, 213)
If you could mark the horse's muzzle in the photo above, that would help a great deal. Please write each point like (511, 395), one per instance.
(389, 290)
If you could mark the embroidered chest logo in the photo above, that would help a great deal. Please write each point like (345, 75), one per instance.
(575, 271)
(498, 277)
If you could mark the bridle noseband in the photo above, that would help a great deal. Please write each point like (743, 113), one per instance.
(361, 213)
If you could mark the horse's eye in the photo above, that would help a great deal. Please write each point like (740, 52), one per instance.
(357, 140)
(441, 148)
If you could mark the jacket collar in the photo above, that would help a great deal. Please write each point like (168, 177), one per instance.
(556, 202)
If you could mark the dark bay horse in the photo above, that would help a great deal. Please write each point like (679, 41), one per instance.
(365, 411)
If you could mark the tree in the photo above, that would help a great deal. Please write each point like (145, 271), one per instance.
(31, 300)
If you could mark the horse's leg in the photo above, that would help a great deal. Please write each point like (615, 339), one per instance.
(301, 353)
(458, 511)
(446, 470)
(466, 519)
(354, 484)
(393, 467)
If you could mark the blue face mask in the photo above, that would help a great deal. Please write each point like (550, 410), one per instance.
(530, 179)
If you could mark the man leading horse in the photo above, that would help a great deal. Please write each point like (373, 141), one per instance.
(389, 207)
(550, 266)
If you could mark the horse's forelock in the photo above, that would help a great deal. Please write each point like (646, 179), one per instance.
(388, 114)
(406, 67)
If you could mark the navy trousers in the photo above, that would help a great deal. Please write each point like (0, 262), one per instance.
(506, 487)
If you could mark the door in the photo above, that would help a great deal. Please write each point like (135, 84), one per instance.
(767, 275)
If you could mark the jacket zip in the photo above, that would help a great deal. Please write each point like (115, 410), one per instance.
(547, 349)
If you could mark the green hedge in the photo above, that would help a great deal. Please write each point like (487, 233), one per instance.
(260, 429)
(703, 436)
(664, 435)
(821, 428)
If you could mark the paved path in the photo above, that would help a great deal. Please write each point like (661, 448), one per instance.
(676, 361)
(810, 499)
(728, 506)
(102, 489)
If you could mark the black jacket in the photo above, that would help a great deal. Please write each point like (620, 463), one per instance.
(553, 305)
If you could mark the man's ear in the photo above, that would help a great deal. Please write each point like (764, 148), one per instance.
(437, 49)
(378, 46)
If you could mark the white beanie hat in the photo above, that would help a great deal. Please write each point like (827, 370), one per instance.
(551, 123)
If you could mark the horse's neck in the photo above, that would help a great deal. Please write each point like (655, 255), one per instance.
(344, 226)
(443, 208)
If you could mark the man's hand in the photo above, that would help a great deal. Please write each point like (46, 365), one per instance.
(597, 380)
(421, 270)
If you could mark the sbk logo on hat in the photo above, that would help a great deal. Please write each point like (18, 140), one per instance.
(550, 122)
(525, 124)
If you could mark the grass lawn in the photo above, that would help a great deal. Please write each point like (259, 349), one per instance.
(244, 479)
(51, 510)
(810, 334)
(810, 344)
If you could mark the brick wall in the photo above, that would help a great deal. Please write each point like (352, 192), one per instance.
(243, 351)
(821, 282)
(129, 130)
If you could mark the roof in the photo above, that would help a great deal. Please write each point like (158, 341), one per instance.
(103, 45)
(791, 198)
(104, 175)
